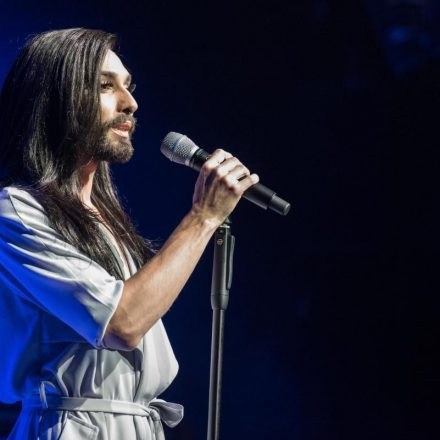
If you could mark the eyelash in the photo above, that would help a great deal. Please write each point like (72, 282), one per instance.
(105, 85)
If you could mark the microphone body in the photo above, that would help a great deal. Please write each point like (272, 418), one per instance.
(180, 149)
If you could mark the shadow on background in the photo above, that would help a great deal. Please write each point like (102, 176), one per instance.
(331, 332)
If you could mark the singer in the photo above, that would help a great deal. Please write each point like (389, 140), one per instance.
(81, 293)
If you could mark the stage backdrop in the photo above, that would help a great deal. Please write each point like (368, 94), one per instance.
(333, 105)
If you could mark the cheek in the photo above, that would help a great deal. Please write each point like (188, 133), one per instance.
(107, 105)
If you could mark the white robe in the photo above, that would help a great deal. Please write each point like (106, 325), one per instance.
(55, 304)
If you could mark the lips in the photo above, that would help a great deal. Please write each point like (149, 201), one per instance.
(122, 129)
(125, 126)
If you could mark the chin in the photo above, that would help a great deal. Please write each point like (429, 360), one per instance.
(120, 151)
(122, 154)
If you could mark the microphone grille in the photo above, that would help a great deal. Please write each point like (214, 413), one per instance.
(178, 148)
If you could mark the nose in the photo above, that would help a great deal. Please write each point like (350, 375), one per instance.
(127, 104)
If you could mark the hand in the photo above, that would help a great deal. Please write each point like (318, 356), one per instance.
(222, 181)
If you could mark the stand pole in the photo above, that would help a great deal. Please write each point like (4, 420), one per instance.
(220, 286)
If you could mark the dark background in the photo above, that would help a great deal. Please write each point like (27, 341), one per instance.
(331, 332)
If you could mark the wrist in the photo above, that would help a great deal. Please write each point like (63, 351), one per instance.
(207, 223)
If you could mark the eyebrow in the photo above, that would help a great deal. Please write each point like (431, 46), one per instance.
(114, 75)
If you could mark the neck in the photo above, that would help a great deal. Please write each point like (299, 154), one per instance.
(87, 173)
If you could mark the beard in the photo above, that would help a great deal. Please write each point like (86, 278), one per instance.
(111, 147)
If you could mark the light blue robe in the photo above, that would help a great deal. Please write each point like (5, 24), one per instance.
(55, 304)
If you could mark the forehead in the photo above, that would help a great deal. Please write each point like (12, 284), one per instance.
(112, 63)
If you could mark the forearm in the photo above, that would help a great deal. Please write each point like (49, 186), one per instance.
(149, 293)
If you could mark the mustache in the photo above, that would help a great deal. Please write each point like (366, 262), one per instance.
(120, 120)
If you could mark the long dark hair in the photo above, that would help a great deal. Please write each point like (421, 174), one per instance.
(49, 123)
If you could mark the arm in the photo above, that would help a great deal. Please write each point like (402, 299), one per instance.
(149, 293)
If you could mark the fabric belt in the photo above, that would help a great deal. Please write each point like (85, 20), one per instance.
(157, 410)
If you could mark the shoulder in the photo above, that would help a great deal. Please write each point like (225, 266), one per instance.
(18, 204)
(19, 195)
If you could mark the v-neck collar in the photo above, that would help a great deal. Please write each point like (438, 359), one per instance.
(115, 251)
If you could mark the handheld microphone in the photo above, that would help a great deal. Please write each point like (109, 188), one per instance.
(180, 149)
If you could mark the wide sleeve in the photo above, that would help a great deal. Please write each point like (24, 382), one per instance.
(38, 265)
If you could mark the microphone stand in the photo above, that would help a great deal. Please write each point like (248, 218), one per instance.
(220, 285)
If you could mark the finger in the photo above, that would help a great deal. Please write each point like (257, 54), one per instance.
(226, 166)
(248, 181)
(215, 159)
(227, 153)
(233, 179)
(239, 172)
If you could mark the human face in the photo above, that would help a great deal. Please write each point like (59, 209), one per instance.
(117, 106)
